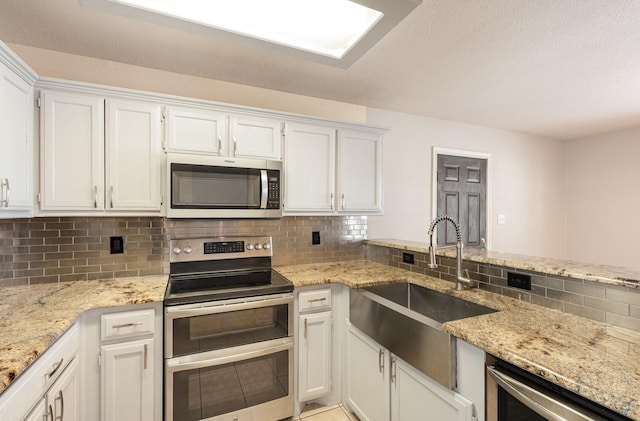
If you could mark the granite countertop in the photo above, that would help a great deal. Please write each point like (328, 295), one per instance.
(33, 317)
(595, 360)
(611, 275)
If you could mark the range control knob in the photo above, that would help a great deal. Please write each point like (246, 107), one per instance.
(266, 246)
(249, 246)
(177, 250)
(258, 246)
(187, 249)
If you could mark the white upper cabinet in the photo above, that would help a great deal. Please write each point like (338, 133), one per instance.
(71, 152)
(309, 168)
(192, 130)
(214, 132)
(253, 137)
(133, 156)
(89, 168)
(327, 173)
(359, 174)
(16, 144)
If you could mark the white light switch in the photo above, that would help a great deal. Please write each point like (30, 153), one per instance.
(501, 219)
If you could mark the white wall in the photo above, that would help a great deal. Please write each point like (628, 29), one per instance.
(527, 182)
(603, 199)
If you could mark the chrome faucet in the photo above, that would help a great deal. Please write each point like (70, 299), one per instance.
(460, 280)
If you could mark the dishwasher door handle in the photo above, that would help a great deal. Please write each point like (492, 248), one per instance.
(539, 402)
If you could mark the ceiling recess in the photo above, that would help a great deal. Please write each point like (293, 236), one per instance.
(333, 32)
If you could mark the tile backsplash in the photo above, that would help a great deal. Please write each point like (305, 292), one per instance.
(51, 249)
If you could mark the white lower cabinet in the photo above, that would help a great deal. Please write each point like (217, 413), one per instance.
(367, 377)
(64, 397)
(381, 386)
(123, 368)
(315, 355)
(127, 381)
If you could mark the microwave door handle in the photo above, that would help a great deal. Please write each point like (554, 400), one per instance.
(264, 182)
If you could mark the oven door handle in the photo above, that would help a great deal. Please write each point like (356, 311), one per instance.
(229, 355)
(176, 312)
(542, 404)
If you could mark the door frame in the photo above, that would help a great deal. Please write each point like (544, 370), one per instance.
(437, 150)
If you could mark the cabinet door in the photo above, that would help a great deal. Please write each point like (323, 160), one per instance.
(16, 142)
(64, 397)
(255, 138)
(196, 131)
(359, 171)
(71, 152)
(367, 377)
(133, 160)
(127, 381)
(309, 168)
(314, 355)
(415, 396)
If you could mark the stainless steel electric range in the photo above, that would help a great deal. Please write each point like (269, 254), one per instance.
(228, 332)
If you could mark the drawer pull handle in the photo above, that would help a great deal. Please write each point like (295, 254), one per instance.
(305, 328)
(56, 367)
(51, 412)
(381, 360)
(127, 325)
(315, 300)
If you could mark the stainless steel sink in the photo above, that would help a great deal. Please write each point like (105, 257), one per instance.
(407, 319)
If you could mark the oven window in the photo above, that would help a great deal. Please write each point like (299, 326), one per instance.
(209, 187)
(208, 392)
(223, 330)
(511, 409)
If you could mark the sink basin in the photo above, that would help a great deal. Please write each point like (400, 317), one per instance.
(435, 305)
(407, 320)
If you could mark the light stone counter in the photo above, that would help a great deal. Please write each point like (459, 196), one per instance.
(33, 317)
(595, 360)
(611, 275)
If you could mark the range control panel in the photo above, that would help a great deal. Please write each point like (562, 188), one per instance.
(218, 248)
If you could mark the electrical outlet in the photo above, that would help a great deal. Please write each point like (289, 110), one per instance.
(408, 258)
(116, 245)
(315, 237)
(519, 280)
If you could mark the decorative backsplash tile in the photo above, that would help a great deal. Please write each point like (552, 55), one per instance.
(612, 304)
(77, 248)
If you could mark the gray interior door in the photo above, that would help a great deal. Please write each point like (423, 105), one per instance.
(462, 194)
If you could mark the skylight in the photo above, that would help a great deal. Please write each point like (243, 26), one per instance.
(326, 27)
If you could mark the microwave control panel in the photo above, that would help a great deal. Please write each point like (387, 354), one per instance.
(273, 186)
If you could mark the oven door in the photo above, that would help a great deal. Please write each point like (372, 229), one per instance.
(249, 382)
(203, 327)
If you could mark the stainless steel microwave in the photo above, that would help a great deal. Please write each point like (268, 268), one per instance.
(223, 187)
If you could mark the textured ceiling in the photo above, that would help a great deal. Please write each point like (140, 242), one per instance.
(557, 68)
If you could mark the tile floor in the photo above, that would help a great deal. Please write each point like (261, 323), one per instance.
(313, 412)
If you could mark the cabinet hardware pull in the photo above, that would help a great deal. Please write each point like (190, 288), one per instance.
(393, 370)
(111, 196)
(56, 367)
(381, 360)
(127, 325)
(4, 198)
(305, 328)
(95, 196)
(316, 300)
(61, 399)
(219, 145)
(342, 201)
(51, 412)
(331, 199)
(146, 354)
(235, 146)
